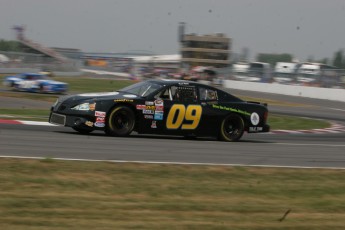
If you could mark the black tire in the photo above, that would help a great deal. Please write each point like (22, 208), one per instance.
(232, 128)
(82, 130)
(41, 89)
(120, 122)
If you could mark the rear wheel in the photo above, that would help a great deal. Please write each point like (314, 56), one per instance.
(41, 89)
(82, 130)
(232, 128)
(120, 122)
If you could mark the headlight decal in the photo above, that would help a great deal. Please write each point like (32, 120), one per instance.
(84, 107)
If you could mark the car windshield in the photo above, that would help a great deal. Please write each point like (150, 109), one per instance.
(33, 77)
(142, 88)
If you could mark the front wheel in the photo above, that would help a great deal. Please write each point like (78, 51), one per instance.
(232, 128)
(120, 122)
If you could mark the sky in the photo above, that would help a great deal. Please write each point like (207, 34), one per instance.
(303, 28)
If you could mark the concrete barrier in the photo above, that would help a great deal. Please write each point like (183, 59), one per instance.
(291, 90)
(18, 70)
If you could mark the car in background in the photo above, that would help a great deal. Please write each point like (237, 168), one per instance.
(35, 82)
(165, 107)
(285, 73)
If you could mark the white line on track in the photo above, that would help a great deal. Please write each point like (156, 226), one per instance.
(336, 109)
(303, 144)
(174, 163)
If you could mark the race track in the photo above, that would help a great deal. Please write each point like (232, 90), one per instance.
(285, 150)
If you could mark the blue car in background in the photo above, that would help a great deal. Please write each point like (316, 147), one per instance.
(35, 82)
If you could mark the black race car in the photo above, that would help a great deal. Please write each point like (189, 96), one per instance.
(170, 107)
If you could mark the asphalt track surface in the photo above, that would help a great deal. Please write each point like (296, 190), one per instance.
(281, 150)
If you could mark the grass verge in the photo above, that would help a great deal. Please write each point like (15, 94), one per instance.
(51, 194)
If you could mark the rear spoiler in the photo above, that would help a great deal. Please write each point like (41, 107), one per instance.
(259, 103)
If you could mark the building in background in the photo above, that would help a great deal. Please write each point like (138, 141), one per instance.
(204, 50)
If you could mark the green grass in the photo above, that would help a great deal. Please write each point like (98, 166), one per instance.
(82, 84)
(294, 123)
(25, 114)
(51, 194)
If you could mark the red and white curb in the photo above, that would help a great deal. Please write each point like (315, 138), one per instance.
(335, 127)
(23, 122)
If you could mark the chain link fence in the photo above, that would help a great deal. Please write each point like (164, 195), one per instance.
(38, 61)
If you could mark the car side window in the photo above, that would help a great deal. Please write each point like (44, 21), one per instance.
(164, 94)
(178, 94)
(207, 94)
(185, 94)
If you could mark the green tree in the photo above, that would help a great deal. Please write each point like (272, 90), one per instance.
(338, 59)
(274, 58)
(10, 46)
(324, 61)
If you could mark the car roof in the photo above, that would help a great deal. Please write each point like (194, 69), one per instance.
(169, 82)
(32, 74)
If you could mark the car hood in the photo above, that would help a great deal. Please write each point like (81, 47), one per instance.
(52, 82)
(97, 96)
(12, 78)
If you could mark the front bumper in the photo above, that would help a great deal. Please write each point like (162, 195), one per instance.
(73, 121)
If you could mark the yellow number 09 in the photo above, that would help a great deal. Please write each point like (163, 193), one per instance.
(191, 113)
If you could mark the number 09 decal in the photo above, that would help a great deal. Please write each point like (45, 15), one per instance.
(188, 117)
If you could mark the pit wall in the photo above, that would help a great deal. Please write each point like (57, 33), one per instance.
(291, 90)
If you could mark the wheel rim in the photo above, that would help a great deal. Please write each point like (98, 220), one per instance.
(233, 128)
(120, 120)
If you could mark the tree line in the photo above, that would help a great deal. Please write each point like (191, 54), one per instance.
(10, 46)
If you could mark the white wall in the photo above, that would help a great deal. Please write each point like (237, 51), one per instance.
(302, 91)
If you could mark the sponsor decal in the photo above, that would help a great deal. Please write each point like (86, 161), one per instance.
(98, 94)
(92, 107)
(130, 95)
(99, 124)
(230, 109)
(89, 123)
(148, 116)
(100, 114)
(254, 118)
(255, 129)
(159, 102)
(154, 125)
(150, 107)
(158, 115)
(149, 103)
(145, 111)
(141, 107)
(159, 108)
(123, 100)
(100, 119)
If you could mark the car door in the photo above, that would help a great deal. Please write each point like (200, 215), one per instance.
(183, 112)
(210, 119)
